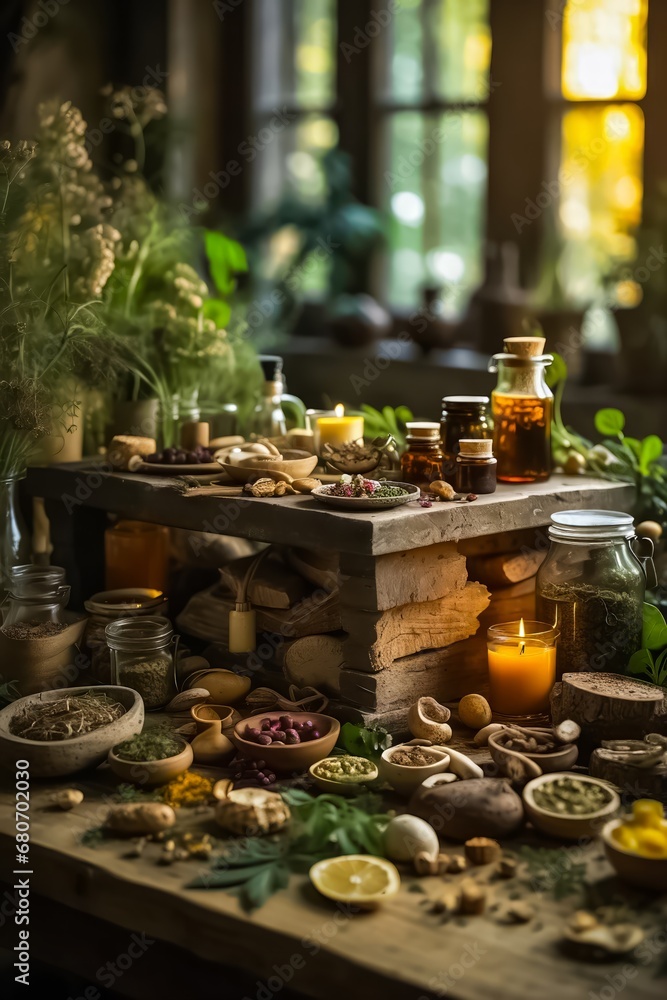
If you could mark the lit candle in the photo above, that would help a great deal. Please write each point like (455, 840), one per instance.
(522, 668)
(339, 429)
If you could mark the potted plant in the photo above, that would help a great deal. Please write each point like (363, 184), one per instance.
(175, 333)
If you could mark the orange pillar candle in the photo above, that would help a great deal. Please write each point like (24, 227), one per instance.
(522, 668)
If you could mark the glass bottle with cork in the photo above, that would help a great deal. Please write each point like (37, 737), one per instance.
(275, 406)
(463, 417)
(421, 463)
(522, 407)
(475, 466)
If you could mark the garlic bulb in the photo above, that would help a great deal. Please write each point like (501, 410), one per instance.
(252, 811)
(428, 720)
(406, 836)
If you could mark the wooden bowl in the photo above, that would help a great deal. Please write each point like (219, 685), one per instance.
(568, 827)
(340, 787)
(293, 465)
(406, 780)
(648, 873)
(296, 757)
(61, 757)
(560, 760)
(204, 714)
(152, 772)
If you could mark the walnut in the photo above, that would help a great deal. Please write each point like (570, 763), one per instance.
(280, 490)
(263, 488)
(482, 850)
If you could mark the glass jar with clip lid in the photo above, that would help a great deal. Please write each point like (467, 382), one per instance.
(591, 588)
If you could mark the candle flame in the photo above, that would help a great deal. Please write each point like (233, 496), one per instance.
(339, 410)
(522, 629)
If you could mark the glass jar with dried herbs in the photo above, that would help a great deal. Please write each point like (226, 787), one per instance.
(591, 588)
(143, 656)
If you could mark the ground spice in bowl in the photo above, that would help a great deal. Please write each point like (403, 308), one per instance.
(149, 746)
(412, 757)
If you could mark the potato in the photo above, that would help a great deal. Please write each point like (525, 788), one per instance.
(136, 818)
(474, 711)
(474, 807)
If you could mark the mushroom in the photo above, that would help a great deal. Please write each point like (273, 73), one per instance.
(428, 719)
(567, 731)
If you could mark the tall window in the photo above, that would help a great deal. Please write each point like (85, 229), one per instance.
(433, 86)
(603, 81)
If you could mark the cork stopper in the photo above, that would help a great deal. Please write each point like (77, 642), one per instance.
(525, 347)
(476, 447)
(425, 430)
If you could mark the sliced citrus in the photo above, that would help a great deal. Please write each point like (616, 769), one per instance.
(356, 878)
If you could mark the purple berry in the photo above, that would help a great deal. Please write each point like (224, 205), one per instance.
(308, 724)
(265, 724)
(315, 734)
(286, 722)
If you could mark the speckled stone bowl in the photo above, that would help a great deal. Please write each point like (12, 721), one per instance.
(62, 757)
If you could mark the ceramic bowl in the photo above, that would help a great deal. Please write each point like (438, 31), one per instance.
(204, 714)
(152, 772)
(293, 465)
(298, 756)
(648, 873)
(560, 760)
(61, 757)
(560, 825)
(321, 494)
(406, 780)
(340, 787)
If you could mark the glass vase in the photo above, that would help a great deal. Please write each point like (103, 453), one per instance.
(15, 545)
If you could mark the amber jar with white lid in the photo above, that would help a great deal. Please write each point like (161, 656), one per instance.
(422, 462)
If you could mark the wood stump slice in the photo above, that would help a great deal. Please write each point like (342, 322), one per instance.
(609, 706)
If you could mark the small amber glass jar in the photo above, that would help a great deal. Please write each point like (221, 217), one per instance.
(463, 417)
(421, 463)
(136, 555)
(475, 467)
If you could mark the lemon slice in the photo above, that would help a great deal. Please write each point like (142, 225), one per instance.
(356, 878)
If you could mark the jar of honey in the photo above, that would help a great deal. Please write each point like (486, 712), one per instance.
(522, 407)
(463, 417)
(421, 463)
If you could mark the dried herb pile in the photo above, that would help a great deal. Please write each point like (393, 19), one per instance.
(148, 746)
(66, 717)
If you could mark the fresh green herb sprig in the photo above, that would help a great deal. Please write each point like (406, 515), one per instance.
(388, 421)
(650, 661)
(364, 741)
(321, 827)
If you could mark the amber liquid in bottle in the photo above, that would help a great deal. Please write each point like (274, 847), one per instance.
(522, 437)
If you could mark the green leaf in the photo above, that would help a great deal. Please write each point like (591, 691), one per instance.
(390, 419)
(654, 632)
(650, 451)
(660, 671)
(263, 884)
(556, 372)
(641, 662)
(219, 311)
(403, 414)
(226, 877)
(609, 421)
(226, 258)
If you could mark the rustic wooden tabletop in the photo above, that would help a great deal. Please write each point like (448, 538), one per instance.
(401, 951)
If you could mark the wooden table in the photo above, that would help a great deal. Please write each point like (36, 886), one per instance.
(87, 902)
(406, 605)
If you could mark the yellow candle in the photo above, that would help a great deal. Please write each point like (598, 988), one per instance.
(339, 429)
(522, 672)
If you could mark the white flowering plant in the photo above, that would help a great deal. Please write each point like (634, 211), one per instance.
(175, 331)
(57, 251)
